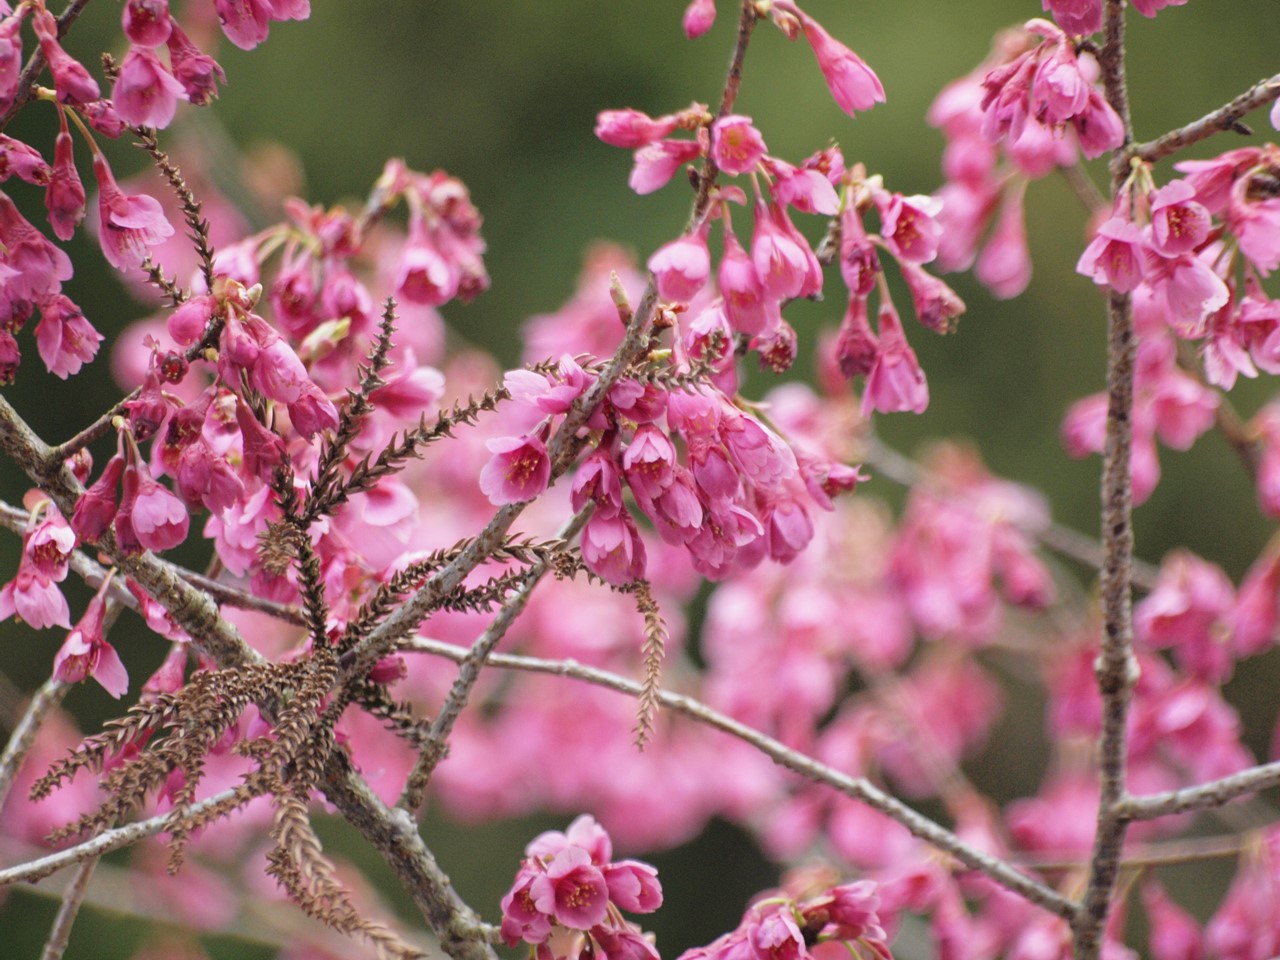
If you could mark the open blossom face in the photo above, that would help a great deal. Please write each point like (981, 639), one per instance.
(518, 471)
(128, 225)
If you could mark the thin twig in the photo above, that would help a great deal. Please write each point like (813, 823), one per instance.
(42, 703)
(72, 897)
(1202, 796)
(1226, 117)
(419, 778)
(856, 787)
(1164, 854)
(1116, 668)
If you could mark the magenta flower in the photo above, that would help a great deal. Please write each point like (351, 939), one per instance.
(779, 260)
(1077, 17)
(745, 305)
(631, 129)
(1116, 257)
(937, 306)
(150, 517)
(698, 18)
(612, 548)
(64, 197)
(198, 72)
(518, 471)
(146, 94)
(856, 344)
(10, 57)
(86, 652)
(573, 890)
(1178, 223)
(648, 462)
(896, 381)
(128, 225)
(1004, 265)
(736, 145)
(147, 22)
(682, 266)
(657, 163)
(70, 78)
(853, 84)
(96, 507)
(245, 22)
(65, 339)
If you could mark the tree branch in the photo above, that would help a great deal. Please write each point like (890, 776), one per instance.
(1226, 117)
(1203, 796)
(856, 787)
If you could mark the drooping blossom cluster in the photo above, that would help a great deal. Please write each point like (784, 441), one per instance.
(1031, 107)
(568, 894)
(1193, 254)
(803, 921)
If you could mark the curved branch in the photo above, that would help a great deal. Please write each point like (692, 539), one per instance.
(1202, 797)
(856, 787)
(1226, 117)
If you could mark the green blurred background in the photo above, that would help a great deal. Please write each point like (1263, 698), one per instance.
(503, 94)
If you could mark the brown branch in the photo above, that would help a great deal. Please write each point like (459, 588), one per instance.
(1226, 117)
(72, 897)
(856, 787)
(1116, 668)
(1203, 796)
(42, 703)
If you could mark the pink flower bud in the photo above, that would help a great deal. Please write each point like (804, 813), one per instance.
(698, 18)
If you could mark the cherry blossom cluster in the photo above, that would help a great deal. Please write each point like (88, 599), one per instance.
(568, 894)
(1033, 106)
(804, 921)
(1193, 254)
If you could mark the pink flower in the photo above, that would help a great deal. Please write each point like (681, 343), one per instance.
(147, 22)
(745, 305)
(518, 471)
(1178, 223)
(1115, 257)
(682, 266)
(631, 129)
(698, 18)
(634, 886)
(10, 57)
(146, 94)
(70, 78)
(424, 275)
(648, 462)
(65, 196)
(937, 306)
(896, 381)
(1190, 291)
(736, 145)
(1004, 265)
(245, 22)
(65, 339)
(1148, 8)
(1098, 127)
(96, 507)
(909, 227)
(857, 345)
(198, 72)
(779, 259)
(128, 225)
(612, 548)
(32, 594)
(853, 84)
(573, 890)
(521, 918)
(23, 161)
(86, 652)
(657, 163)
(1077, 17)
(150, 517)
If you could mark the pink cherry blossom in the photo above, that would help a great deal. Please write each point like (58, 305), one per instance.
(736, 145)
(1178, 223)
(698, 18)
(895, 381)
(86, 652)
(1079, 17)
(65, 339)
(518, 471)
(631, 129)
(573, 890)
(146, 94)
(682, 266)
(127, 225)
(1115, 257)
(853, 84)
(150, 517)
(656, 163)
(147, 22)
